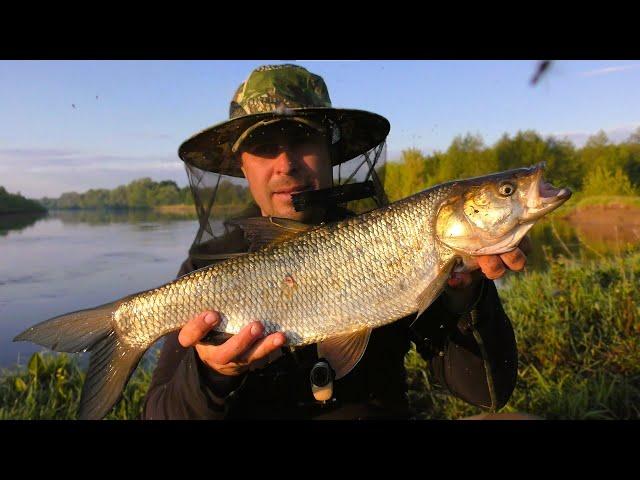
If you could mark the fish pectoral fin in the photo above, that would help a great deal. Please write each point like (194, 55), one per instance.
(435, 288)
(263, 231)
(345, 351)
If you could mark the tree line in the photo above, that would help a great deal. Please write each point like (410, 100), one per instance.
(16, 203)
(140, 194)
(600, 167)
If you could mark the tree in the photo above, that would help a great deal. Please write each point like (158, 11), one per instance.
(634, 137)
(406, 177)
(601, 181)
(467, 156)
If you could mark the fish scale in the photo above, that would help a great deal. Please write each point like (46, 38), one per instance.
(362, 272)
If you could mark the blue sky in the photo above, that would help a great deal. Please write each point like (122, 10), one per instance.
(145, 109)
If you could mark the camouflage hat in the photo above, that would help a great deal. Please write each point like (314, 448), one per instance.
(273, 93)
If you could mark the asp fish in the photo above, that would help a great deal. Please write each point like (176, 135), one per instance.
(329, 284)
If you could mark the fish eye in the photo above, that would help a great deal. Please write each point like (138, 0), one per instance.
(507, 189)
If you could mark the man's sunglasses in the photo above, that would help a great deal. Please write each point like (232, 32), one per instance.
(299, 141)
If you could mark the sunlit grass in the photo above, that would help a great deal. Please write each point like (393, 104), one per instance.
(49, 387)
(578, 333)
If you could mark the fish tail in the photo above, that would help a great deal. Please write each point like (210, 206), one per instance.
(111, 364)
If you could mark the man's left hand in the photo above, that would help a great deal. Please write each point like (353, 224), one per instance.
(495, 266)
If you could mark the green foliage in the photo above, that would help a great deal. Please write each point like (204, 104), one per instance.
(609, 169)
(16, 203)
(603, 181)
(467, 156)
(407, 177)
(49, 387)
(143, 193)
(577, 328)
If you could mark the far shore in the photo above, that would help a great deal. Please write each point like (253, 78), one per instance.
(604, 209)
(182, 210)
(592, 209)
(186, 210)
(190, 210)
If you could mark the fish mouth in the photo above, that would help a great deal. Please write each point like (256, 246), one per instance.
(543, 197)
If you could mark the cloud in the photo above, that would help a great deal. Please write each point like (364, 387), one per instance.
(608, 70)
(50, 160)
(615, 134)
(35, 153)
(52, 171)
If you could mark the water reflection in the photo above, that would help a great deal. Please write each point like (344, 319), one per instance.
(589, 237)
(606, 239)
(104, 217)
(18, 221)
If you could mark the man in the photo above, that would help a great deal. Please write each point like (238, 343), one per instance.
(284, 137)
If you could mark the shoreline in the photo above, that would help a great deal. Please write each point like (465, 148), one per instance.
(602, 208)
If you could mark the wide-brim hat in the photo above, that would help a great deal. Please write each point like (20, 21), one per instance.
(275, 93)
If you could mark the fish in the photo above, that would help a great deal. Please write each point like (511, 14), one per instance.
(330, 284)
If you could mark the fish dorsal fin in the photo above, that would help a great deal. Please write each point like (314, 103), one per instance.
(262, 231)
(435, 288)
(345, 351)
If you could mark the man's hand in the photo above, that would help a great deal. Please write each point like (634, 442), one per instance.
(247, 350)
(495, 266)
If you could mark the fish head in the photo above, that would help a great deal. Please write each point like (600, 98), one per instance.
(490, 215)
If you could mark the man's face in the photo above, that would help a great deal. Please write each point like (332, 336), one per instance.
(282, 159)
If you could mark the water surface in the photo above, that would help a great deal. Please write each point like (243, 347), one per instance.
(68, 261)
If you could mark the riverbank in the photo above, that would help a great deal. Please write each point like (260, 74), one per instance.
(189, 211)
(601, 207)
(578, 332)
(606, 223)
(178, 211)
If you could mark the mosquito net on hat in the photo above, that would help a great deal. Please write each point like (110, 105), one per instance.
(220, 197)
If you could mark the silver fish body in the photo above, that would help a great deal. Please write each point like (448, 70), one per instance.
(363, 272)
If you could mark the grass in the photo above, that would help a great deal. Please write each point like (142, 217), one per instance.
(182, 210)
(189, 211)
(577, 328)
(578, 332)
(49, 387)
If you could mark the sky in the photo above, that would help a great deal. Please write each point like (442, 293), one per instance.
(76, 125)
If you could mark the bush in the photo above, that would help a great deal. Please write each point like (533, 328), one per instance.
(601, 181)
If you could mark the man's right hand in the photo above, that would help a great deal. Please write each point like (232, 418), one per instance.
(247, 350)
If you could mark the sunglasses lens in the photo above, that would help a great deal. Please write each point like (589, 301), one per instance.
(267, 150)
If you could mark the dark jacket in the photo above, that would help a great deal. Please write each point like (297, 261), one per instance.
(470, 348)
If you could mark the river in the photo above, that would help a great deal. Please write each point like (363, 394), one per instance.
(66, 261)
